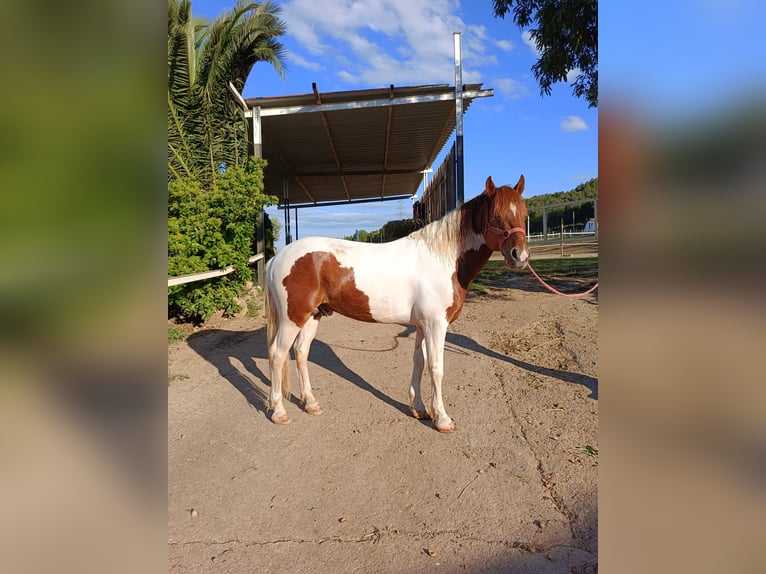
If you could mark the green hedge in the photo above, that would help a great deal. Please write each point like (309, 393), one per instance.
(211, 229)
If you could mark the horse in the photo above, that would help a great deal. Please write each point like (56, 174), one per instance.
(420, 280)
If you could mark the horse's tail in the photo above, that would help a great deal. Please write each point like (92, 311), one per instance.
(272, 327)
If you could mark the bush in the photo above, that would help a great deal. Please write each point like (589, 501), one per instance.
(211, 229)
(400, 228)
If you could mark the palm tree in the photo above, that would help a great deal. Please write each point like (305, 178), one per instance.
(206, 127)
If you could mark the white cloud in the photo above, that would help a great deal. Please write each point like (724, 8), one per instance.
(526, 37)
(292, 57)
(389, 41)
(505, 45)
(571, 124)
(572, 75)
(510, 88)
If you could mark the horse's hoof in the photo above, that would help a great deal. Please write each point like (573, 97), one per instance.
(446, 428)
(313, 409)
(420, 414)
(280, 418)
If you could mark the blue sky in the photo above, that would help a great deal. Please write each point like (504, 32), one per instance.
(680, 61)
(350, 45)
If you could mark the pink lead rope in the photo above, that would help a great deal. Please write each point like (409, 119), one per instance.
(552, 290)
(505, 234)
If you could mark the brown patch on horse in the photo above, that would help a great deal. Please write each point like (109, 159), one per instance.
(318, 281)
(458, 297)
(468, 266)
(492, 207)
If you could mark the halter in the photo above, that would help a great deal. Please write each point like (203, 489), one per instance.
(504, 233)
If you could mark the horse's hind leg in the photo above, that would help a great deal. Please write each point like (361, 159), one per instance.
(301, 347)
(417, 407)
(279, 355)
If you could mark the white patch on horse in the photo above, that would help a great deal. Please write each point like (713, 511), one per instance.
(513, 208)
(473, 241)
(442, 237)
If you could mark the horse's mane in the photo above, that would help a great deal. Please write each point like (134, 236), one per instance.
(451, 235)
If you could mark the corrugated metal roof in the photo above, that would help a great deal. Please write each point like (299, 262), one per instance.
(355, 145)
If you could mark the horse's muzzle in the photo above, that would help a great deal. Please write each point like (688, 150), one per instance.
(518, 258)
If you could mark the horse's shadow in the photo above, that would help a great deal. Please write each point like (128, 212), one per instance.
(223, 348)
(469, 344)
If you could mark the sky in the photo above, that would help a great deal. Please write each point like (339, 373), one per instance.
(681, 61)
(362, 44)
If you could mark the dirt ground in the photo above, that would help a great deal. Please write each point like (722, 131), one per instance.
(365, 487)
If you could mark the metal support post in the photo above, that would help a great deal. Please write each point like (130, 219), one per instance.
(459, 173)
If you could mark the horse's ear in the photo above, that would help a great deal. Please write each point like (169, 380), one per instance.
(489, 186)
(520, 184)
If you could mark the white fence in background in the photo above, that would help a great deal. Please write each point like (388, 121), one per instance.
(554, 235)
(549, 234)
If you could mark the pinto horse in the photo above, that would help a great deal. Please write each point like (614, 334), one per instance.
(419, 280)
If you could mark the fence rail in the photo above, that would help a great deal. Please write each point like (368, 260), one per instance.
(556, 236)
(182, 279)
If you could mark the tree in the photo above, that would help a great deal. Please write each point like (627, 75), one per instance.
(587, 190)
(215, 191)
(566, 36)
(206, 127)
(212, 228)
(400, 228)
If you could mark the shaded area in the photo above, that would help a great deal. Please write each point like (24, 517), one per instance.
(577, 378)
(221, 348)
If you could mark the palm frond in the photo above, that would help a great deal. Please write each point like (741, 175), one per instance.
(206, 127)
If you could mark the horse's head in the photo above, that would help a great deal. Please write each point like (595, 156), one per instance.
(505, 222)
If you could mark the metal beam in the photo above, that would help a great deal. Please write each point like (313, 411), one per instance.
(350, 201)
(287, 164)
(346, 172)
(399, 101)
(255, 114)
(237, 96)
(334, 150)
(388, 140)
(459, 171)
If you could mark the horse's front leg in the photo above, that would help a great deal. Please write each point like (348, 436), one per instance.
(435, 335)
(417, 407)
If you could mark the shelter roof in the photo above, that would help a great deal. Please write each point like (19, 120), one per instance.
(353, 146)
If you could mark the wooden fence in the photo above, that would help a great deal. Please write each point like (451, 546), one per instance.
(440, 195)
(192, 277)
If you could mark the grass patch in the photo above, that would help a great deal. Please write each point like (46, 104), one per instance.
(495, 273)
(583, 267)
(253, 308)
(589, 450)
(175, 334)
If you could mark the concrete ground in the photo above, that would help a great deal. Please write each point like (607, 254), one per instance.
(367, 488)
